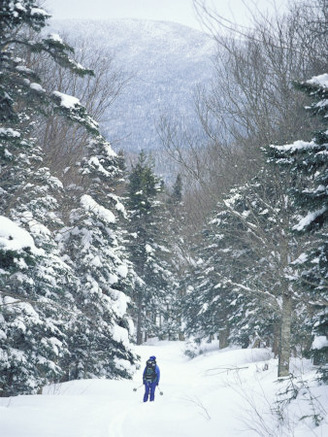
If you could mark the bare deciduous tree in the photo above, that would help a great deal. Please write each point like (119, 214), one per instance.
(64, 144)
(251, 101)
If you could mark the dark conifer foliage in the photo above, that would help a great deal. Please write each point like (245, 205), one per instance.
(44, 296)
(308, 159)
(149, 250)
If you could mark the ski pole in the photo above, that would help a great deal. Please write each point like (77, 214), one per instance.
(160, 392)
(136, 388)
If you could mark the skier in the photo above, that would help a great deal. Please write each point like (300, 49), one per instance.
(150, 378)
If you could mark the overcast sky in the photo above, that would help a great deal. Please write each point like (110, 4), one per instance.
(180, 11)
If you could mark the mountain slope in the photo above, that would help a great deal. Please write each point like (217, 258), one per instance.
(166, 60)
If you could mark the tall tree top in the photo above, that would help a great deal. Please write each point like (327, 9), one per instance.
(18, 83)
(144, 185)
(14, 14)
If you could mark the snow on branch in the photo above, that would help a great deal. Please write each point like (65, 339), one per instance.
(9, 133)
(274, 301)
(67, 101)
(321, 80)
(38, 12)
(13, 237)
(309, 219)
(16, 299)
(73, 109)
(89, 204)
(296, 146)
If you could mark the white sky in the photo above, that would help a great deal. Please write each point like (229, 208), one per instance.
(181, 11)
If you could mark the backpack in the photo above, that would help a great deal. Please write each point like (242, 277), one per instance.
(150, 372)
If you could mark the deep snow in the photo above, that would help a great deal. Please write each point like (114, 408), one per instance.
(224, 393)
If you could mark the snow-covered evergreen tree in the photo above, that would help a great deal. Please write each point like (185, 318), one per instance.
(38, 335)
(308, 159)
(35, 336)
(21, 94)
(205, 303)
(45, 282)
(94, 242)
(34, 309)
(149, 251)
(245, 278)
(176, 196)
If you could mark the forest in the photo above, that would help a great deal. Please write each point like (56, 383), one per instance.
(97, 252)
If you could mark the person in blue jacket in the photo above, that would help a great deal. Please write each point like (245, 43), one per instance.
(150, 378)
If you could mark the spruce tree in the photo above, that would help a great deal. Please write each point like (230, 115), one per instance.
(39, 285)
(176, 196)
(34, 308)
(94, 242)
(308, 160)
(32, 197)
(245, 283)
(148, 249)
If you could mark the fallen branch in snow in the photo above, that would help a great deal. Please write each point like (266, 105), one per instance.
(199, 404)
(224, 370)
(299, 388)
(255, 417)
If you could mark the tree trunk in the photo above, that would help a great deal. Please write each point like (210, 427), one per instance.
(284, 347)
(276, 338)
(139, 318)
(181, 336)
(223, 338)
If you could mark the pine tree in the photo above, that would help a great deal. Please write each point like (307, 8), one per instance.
(34, 308)
(308, 160)
(245, 283)
(176, 195)
(38, 285)
(22, 96)
(148, 249)
(31, 196)
(94, 242)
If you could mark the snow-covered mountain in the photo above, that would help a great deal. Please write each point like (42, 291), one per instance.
(167, 60)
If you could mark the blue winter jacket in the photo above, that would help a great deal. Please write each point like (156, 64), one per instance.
(158, 374)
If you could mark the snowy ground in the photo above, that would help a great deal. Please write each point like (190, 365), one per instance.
(218, 394)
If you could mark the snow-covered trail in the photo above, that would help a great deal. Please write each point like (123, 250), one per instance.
(194, 399)
(201, 397)
(181, 410)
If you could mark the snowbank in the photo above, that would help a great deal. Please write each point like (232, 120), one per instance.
(13, 237)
